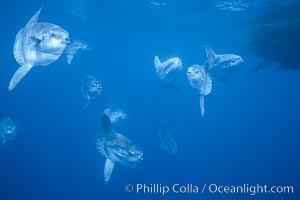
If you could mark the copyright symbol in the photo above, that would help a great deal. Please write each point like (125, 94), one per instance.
(129, 188)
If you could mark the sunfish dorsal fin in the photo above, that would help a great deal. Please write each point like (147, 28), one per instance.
(209, 52)
(35, 17)
(108, 168)
(106, 124)
(156, 62)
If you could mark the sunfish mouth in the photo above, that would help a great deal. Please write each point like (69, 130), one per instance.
(67, 40)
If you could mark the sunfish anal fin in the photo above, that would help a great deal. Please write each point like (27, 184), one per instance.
(202, 105)
(70, 58)
(108, 168)
(19, 74)
(35, 17)
(86, 105)
(3, 142)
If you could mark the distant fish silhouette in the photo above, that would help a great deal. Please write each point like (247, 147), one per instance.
(167, 143)
(91, 89)
(8, 129)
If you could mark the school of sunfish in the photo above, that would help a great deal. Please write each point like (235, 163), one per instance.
(43, 43)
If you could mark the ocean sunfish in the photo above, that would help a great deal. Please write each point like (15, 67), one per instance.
(200, 80)
(91, 88)
(168, 71)
(221, 65)
(117, 149)
(167, 143)
(73, 49)
(8, 129)
(115, 115)
(37, 44)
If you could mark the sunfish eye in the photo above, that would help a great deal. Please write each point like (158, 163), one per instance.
(53, 33)
(197, 71)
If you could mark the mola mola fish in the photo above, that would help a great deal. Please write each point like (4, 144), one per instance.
(73, 48)
(117, 149)
(8, 129)
(167, 142)
(91, 88)
(221, 65)
(168, 71)
(201, 80)
(37, 44)
(115, 114)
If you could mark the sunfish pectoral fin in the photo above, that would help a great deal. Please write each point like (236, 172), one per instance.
(86, 105)
(202, 105)
(108, 168)
(209, 52)
(35, 39)
(70, 58)
(173, 87)
(156, 62)
(35, 17)
(19, 74)
(3, 142)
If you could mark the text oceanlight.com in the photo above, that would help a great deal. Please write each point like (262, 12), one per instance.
(208, 188)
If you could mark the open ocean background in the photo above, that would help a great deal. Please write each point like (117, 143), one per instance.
(250, 133)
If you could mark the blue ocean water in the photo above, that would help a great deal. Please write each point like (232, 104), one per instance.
(250, 131)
